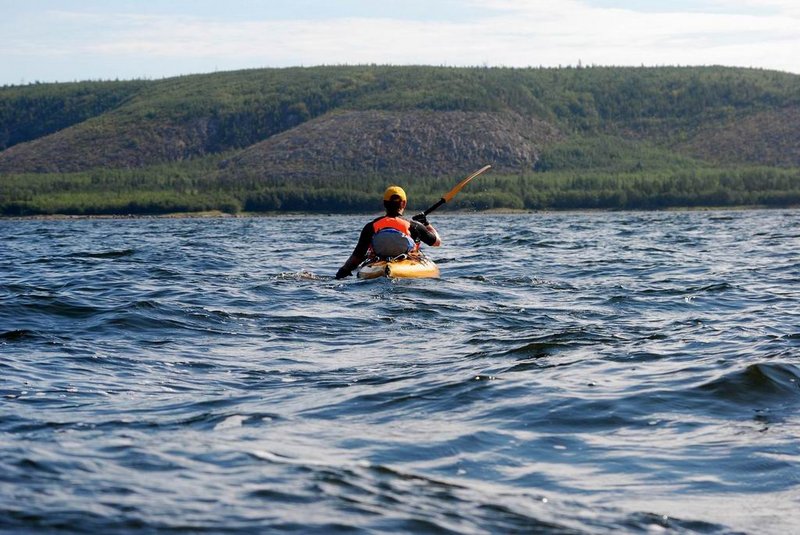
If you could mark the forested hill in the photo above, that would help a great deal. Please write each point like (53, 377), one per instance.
(300, 138)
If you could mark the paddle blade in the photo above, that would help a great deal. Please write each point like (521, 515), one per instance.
(452, 193)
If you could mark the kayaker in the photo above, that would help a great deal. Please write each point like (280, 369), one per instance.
(390, 235)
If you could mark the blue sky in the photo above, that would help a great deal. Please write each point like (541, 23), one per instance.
(66, 40)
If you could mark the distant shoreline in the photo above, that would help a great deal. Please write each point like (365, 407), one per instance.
(495, 211)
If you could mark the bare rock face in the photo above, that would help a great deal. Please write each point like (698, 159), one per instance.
(419, 142)
(766, 138)
(105, 143)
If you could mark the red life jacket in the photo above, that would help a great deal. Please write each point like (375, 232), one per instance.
(392, 237)
(396, 223)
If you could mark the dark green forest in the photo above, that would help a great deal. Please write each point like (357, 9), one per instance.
(164, 190)
(277, 140)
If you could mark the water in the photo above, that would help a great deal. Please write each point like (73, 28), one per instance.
(569, 373)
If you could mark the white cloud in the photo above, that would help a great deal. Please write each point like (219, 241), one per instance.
(789, 8)
(570, 31)
(510, 33)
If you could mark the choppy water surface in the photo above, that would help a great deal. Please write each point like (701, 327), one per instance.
(569, 373)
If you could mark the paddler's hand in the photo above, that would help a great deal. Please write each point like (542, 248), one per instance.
(421, 218)
(342, 273)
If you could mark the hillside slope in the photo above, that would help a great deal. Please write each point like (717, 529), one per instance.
(31, 112)
(105, 142)
(391, 144)
(138, 124)
(770, 137)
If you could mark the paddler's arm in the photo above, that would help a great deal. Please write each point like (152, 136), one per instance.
(422, 229)
(359, 253)
(350, 264)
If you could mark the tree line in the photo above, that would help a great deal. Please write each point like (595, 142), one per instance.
(165, 190)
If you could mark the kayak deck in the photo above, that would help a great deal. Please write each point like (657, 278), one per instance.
(412, 266)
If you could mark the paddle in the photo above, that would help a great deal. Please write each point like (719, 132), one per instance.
(452, 193)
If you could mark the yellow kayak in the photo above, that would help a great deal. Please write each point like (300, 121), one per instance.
(411, 266)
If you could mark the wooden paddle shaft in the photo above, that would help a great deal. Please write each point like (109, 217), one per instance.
(452, 193)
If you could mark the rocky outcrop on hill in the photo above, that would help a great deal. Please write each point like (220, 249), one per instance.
(764, 138)
(419, 142)
(106, 143)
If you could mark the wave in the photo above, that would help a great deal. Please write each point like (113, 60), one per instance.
(18, 335)
(383, 498)
(765, 383)
(103, 254)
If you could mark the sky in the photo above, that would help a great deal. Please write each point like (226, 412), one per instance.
(69, 40)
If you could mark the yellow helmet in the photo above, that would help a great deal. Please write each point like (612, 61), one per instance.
(391, 191)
